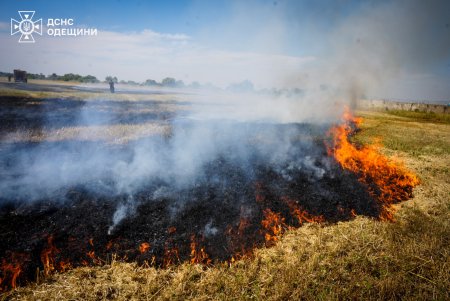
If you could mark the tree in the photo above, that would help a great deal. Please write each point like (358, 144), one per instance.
(89, 79)
(151, 82)
(168, 82)
(111, 78)
(53, 76)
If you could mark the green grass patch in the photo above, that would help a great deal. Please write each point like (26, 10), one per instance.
(408, 135)
(422, 116)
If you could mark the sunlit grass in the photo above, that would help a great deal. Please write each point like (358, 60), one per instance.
(422, 116)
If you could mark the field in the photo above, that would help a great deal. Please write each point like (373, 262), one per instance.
(358, 259)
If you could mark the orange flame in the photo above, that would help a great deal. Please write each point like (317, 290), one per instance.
(64, 266)
(237, 239)
(198, 254)
(91, 253)
(109, 245)
(388, 181)
(300, 214)
(10, 271)
(273, 226)
(170, 256)
(48, 256)
(144, 247)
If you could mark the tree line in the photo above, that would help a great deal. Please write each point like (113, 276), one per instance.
(243, 86)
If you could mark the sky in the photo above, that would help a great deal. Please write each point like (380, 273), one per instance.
(391, 49)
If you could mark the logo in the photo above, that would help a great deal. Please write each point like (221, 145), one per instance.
(26, 26)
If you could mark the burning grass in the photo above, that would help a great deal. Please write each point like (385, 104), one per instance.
(361, 258)
(390, 183)
(387, 180)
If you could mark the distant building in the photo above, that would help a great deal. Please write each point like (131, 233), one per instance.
(20, 76)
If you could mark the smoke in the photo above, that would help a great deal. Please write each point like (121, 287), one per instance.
(122, 211)
(381, 46)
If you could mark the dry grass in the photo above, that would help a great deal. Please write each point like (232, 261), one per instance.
(361, 259)
(66, 90)
(88, 95)
(112, 134)
(118, 133)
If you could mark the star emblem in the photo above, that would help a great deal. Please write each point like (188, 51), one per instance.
(26, 26)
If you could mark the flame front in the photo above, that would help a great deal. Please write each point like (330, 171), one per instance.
(388, 181)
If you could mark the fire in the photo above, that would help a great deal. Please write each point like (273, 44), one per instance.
(48, 256)
(171, 255)
(244, 223)
(109, 245)
(64, 266)
(144, 247)
(171, 230)
(198, 254)
(238, 239)
(11, 270)
(261, 223)
(273, 226)
(388, 181)
(300, 214)
(91, 254)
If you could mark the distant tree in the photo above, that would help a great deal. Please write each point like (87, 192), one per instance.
(71, 77)
(169, 82)
(151, 82)
(132, 82)
(111, 78)
(89, 79)
(53, 76)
